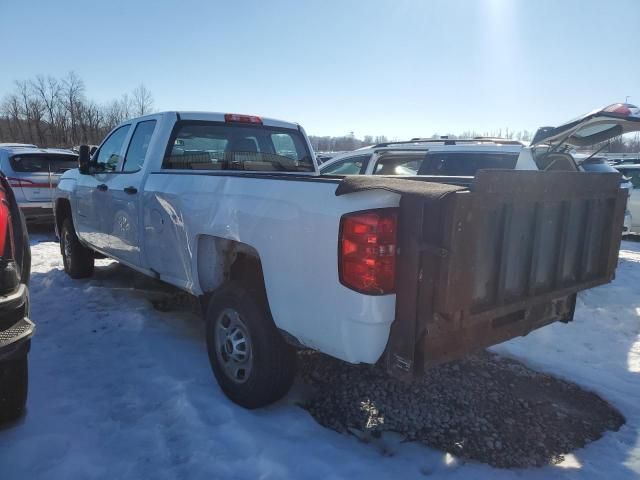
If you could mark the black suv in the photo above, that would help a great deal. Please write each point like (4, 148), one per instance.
(15, 327)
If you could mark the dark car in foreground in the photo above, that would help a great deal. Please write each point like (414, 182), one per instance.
(15, 327)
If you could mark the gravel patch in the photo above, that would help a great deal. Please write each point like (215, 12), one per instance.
(485, 407)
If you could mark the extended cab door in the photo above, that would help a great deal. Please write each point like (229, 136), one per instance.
(122, 219)
(92, 190)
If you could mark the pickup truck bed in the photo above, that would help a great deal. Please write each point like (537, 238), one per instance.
(482, 265)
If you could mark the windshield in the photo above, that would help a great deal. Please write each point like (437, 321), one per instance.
(466, 164)
(43, 163)
(216, 146)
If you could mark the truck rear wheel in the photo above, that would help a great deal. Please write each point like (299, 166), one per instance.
(78, 260)
(14, 379)
(253, 364)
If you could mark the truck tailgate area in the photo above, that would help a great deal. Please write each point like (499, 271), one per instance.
(480, 265)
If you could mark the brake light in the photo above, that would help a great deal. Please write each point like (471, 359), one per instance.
(367, 250)
(237, 118)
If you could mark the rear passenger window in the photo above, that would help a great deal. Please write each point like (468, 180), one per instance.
(43, 163)
(348, 166)
(398, 165)
(109, 154)
(137, 151)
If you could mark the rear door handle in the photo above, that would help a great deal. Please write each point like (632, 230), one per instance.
(131, 190)
(102, 187)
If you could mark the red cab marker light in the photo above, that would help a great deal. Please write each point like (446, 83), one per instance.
(238, 118)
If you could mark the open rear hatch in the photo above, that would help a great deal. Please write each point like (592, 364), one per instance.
(595, 127)
(477, 266)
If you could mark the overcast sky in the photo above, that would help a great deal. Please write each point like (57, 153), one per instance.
(399, 68)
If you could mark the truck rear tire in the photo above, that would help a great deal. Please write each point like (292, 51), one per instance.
(253, 364)
(14, 380)
(78, 260)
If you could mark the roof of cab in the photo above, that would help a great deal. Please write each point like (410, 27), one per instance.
(217, 117)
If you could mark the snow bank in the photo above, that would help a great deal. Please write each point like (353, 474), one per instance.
(121, 391)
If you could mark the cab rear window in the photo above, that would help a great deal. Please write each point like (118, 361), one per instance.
(43, 163)
(218, 146)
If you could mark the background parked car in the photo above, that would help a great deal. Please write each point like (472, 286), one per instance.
(632, 172)
(598, 164)
(15, 327)
(33, 173)
(460, 158)
(442, 157)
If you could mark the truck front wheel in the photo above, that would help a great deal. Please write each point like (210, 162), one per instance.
(77, 259)
(253, 364)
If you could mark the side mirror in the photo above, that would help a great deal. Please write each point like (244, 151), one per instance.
(84, 158)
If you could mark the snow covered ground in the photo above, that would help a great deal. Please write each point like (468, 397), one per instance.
(121, 391)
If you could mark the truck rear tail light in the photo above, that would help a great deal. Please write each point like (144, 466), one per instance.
(237, 118)
(367, 250)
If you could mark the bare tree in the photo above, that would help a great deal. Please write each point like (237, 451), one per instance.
(12, 111)
(55, 112)
(142, 100)
(47, 90)
(72, 99)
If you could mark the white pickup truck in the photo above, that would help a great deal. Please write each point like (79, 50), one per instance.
(405, 272)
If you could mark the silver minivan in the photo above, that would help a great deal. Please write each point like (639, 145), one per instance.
(33, 174)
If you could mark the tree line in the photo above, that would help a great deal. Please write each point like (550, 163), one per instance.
(351, 142)
(629, 143)
(56, 112)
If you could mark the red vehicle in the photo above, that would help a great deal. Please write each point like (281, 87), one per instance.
(15, 327)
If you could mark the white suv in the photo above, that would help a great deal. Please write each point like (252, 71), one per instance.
(456, 158)
(443, 157)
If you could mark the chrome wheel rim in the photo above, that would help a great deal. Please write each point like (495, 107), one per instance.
(233, 346)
